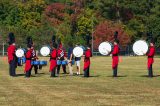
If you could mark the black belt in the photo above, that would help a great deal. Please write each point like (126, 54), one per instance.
(150, 56)
(52, 58)
(115, 55)
(28, 59)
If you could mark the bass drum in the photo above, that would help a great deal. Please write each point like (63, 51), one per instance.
(45, 50)
(105, 48)
(78, 51)
(140, 47)
(20, 52)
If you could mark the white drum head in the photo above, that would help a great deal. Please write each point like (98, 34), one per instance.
(78, 51)
(105, 48)
(140, 47)
(45, 51)
(19, 53)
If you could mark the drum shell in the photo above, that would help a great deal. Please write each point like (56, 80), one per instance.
(23, 60)
(64, 62)
(43, 63)
(59, 62)
(35, 62)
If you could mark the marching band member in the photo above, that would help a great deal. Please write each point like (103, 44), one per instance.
(11, 55)
(61, 57)
(53, 58)
(70, 58)
(87, 62)
(34, 58)
(87, 56)
(115, 59)
(28, 56)
(150, 55)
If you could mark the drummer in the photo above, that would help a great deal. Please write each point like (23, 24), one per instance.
(53, 60)
(11, 55)
(28, 56)
(115, 53)
(61, 57)
(34, 58)
(87, 56)
(150, 54)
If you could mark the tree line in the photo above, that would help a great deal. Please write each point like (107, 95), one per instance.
(72, 20)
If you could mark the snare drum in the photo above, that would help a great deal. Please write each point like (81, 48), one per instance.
(23, 60)
(20, 62)
(64, 62)
(35, 62)
(43, 63)
(59, 62)
(105, 48)
(45, 50)
(140, 47)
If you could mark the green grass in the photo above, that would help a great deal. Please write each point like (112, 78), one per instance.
(131, 88)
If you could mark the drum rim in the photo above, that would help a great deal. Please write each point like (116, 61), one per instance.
(43, 47)
(107, 43)
(137, 41)
(21, 50)
(80, 48)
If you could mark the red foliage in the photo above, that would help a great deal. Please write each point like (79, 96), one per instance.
(55, 13)
(105, 32)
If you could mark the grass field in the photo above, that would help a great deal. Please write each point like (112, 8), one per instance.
(132, 87)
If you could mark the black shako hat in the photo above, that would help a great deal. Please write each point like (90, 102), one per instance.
(11, 38)
(54, 41)
(29, 42)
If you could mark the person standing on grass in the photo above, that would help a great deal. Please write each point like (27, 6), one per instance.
(34, 58)
(77, 61)
(87, 56)
(87, 62)
(28, 56)
(115, 58)
(78, 65)
(11, 55)
(61, 57)
(70, 58)
(150, 54)
(53, 58)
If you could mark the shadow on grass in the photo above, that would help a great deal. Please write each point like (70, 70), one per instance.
(148, 77)
(18, 75)
(119, 76)
(40, 73)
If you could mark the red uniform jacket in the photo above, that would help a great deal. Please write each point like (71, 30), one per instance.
(53, 59)
(11, 52)
(61, 53)
(88, 54)
(28, 56)
(150, 55)
(115, 53)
